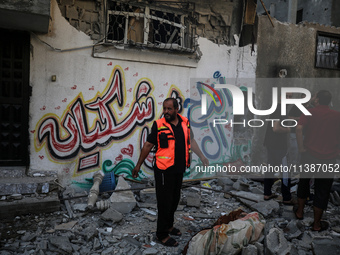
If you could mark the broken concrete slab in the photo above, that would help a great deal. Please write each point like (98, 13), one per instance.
(147, 205)
(46, 204)
(277, 243)
(112, 215)
(292, 231)
(193, 199)
(123, 201)
(80, 207)
(241, 186)
(66, 226)
(326, 246)
(266, 208)
(249, 250)
(252, 198)
(61, 243)
(148, 196)
(26, 185)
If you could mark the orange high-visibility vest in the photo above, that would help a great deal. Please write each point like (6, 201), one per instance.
(165, 154)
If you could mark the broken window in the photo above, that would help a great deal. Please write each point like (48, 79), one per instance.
(162, 27)
(327, 51)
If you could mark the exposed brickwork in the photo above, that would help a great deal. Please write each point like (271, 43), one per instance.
(214, 18)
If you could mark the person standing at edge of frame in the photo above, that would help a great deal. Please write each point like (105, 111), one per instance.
(276, 139)
(319, 148)
(171, 136)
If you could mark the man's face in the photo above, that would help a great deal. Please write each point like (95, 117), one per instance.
(169, 111)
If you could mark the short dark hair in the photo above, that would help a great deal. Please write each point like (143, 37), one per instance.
(174, 102)
(324, 96)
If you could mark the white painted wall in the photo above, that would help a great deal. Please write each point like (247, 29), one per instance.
(80, 75)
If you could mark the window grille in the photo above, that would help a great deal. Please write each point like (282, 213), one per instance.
(132, 24)
(327, 51)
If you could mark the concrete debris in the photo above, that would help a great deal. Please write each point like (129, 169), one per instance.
(133, 231)
(193, 199)
(148, 195)
(277, 243)
(123, 201)
(112, 215)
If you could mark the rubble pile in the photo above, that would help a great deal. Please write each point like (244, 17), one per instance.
(126, 224)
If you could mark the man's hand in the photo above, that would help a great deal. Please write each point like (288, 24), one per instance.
(144, 153)
(204, 160)
(135, 172)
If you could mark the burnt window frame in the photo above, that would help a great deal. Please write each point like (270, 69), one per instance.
(322, 63)
(182, 34)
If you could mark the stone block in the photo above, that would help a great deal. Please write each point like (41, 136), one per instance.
(50, 203)
(256, 190)
(90, 17)
(71, 12)
(241, 186)
(148, 196)
(221, 181)
(193, 199)
(326, 245)
(260, 249)
(292, 231)
(83, 26)
(267, 208)
(277, 243)
(123, 201)
(249, 250)
(62, 243)
(112, 215)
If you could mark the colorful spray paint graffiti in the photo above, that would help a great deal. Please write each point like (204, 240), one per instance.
(88, 129)
(217, 143)
(75, 136)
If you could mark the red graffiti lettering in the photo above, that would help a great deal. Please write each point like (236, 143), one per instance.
(79, 136)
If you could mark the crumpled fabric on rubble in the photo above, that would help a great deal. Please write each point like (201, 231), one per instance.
(228, 238)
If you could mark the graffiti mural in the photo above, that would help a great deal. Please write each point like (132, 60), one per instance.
(87, 130)
(217, 143)
(72, 135)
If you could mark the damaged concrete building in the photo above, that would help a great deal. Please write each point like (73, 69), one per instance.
(89, 79)
(82, 82)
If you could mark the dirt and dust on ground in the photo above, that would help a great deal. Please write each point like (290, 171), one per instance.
(75, 229)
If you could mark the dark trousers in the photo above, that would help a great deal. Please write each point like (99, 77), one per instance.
(168, 193)
(322, 183)
(275, 157)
